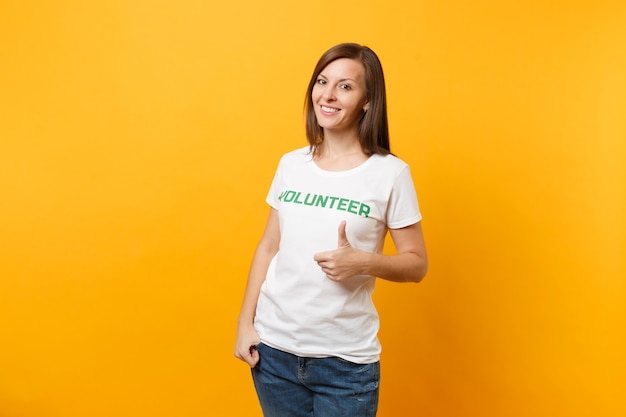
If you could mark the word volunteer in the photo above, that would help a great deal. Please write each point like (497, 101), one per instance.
(317, 200)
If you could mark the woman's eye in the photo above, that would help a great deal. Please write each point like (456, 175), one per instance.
(345, 86)
(321, 81)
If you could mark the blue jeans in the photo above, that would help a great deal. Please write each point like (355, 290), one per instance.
(292, 386)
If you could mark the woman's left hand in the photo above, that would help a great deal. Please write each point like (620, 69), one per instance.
(341, 263)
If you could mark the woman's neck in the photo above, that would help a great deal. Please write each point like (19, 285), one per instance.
(339, 153)
(339, 144)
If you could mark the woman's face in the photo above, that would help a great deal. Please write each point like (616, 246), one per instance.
(339, 95)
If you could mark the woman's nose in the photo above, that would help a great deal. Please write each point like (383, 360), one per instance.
(329, 94)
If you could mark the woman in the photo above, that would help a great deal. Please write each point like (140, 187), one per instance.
(307, 327)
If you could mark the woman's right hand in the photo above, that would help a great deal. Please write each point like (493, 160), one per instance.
(247, 336)
(245, 346)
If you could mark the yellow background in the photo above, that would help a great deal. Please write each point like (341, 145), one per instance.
(138, 141)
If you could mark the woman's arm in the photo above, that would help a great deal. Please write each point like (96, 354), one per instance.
(409, 264)
(247, 337)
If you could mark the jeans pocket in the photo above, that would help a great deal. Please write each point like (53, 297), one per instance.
(260, 347)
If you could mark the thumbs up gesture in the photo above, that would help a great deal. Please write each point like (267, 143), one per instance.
(341, 263)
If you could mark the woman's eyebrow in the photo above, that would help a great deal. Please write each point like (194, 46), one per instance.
(341, 80)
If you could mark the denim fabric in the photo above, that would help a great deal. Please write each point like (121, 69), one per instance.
(292, 386)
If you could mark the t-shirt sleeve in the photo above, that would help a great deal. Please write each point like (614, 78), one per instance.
(273, 195)
(403, 209)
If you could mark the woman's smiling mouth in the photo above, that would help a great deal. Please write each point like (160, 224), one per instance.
(329, 109)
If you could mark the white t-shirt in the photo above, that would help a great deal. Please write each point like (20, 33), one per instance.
(300, 310)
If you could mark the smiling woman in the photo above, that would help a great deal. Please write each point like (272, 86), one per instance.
(339, 96)
(309, 329)
(136, 137)
(356, 78)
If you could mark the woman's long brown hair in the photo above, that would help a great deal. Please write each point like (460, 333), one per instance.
(373, 130)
